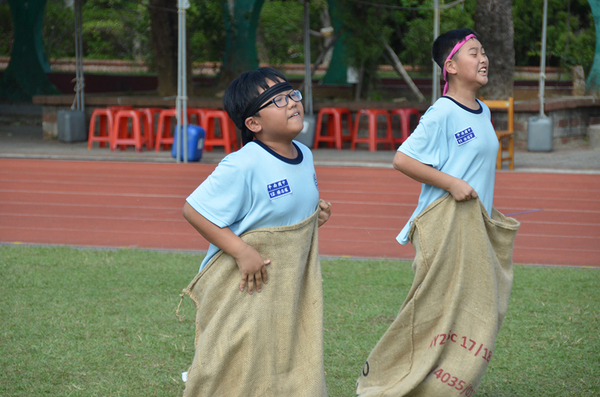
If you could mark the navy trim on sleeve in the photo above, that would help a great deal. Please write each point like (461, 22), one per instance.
(297, 160)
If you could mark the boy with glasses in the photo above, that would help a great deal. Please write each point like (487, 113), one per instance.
(238, 196)
(268, 185)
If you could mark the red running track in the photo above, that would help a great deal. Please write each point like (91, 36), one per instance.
(138, 205)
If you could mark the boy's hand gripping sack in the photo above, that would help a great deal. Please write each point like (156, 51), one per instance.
(268, 344)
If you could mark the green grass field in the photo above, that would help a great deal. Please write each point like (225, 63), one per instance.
(77, 322)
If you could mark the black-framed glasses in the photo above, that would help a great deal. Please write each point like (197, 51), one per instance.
(282, 100)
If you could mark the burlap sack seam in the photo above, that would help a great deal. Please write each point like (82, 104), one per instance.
(188, 290)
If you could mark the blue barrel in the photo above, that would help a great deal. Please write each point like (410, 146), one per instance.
(195, 135)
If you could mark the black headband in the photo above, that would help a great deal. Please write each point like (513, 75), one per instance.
(266, 94)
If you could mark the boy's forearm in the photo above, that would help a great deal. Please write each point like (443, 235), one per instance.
(223, 238)
(252, 266)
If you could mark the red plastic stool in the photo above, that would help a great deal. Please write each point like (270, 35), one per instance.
(228, 138)
(121, 134)
(105, 120)
(199, 114)
(164, 137)
(372, 139)
(149, 124)
(404, 114)
(334, 127)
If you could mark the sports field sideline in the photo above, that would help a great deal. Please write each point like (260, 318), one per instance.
(138, 205)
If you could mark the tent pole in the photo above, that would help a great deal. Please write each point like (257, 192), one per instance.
(179, 129)
(435, 86)
(181, 101)
(307, 69)
(543, 60)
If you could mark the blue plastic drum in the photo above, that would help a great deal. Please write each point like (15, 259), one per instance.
(195, 136)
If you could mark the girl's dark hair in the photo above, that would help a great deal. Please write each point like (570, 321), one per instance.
(446, 42)
(242, 91)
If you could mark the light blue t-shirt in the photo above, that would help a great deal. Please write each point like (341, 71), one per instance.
(458, 141)
(254, 188)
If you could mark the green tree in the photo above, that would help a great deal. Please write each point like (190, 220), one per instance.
(118, 29)
(361, 47)
(58, 30)
(112, 29)
(494, 24)
(413, 36)
(165, 39)
(570, 36)
(407, 25)
(25, 75)
(336, 72)
(206, 24)
(6, 29)
(280, 39)
(241, 23)
(593, 82)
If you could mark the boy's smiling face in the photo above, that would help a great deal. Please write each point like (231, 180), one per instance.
(469, 66)
(280, 124)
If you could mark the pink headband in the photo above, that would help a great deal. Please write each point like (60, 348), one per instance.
(454, 51)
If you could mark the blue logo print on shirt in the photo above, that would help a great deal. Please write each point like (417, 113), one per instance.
(279, 189)
(464, 136)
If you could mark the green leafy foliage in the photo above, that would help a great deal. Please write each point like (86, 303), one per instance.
(406, 25)
(102, 38)
(206, 29)
(571, 36)
(120, 29)
(415, 38)
(58, 30)
(281, 39)
(6, 29)
(112, 29)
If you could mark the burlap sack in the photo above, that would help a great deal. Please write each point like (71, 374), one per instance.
(268, 343)
(444, 336)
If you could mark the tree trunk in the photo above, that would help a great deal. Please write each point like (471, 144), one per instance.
(326, 22)
(400, 69)
(25, 75)
(338, 66)
(593, 81)
(241, 23)
(164, 24)
(494, 24)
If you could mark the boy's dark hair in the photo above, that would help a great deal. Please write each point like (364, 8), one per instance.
(242, 91)
(446, 42)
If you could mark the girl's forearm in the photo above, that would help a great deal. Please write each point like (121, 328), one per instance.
(421, 172)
